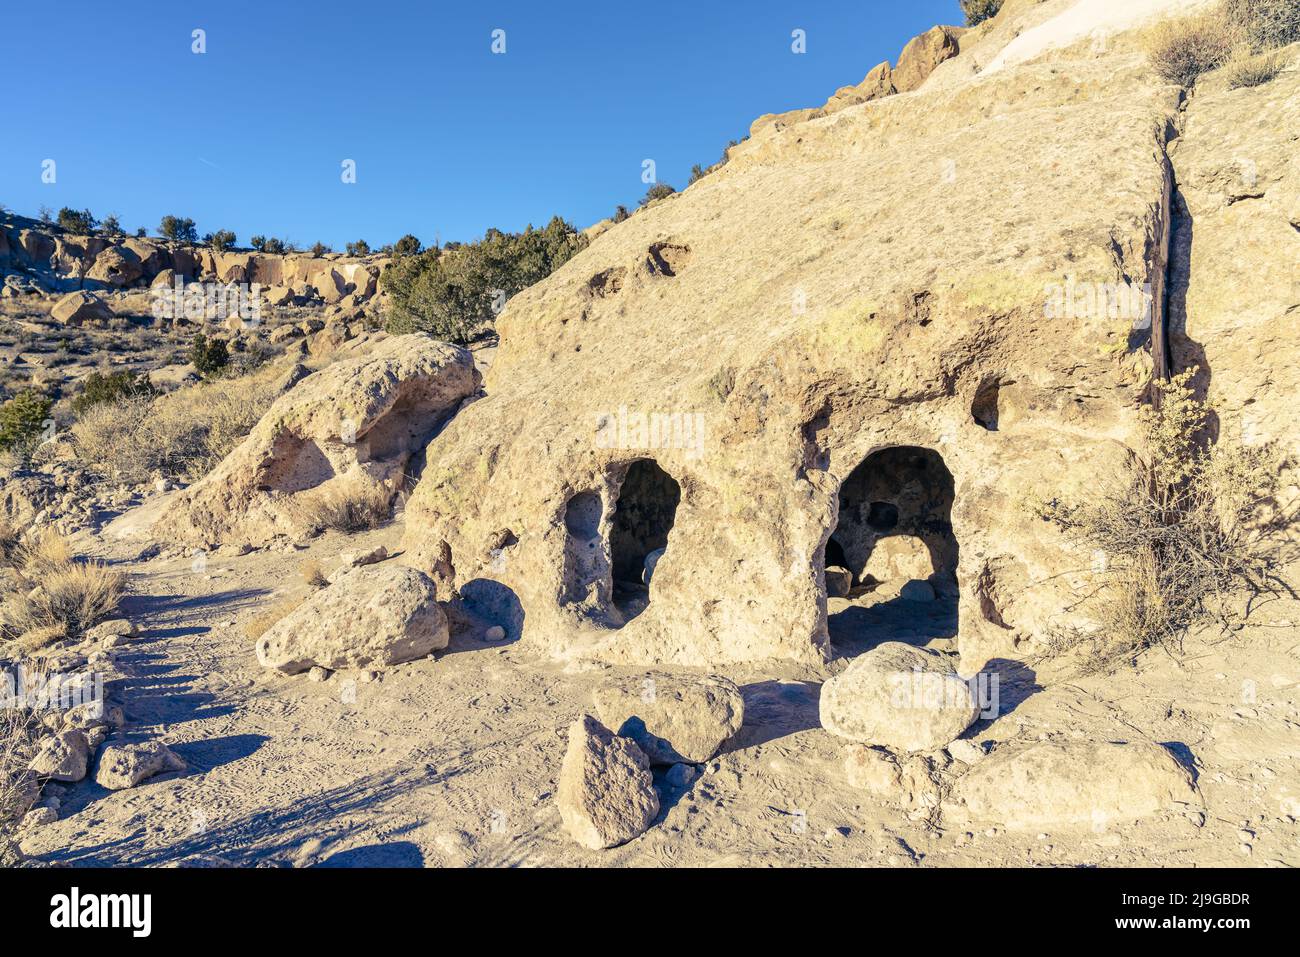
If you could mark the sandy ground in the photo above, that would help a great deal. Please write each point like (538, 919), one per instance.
(453, 761)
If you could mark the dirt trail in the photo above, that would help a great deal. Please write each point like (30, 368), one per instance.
(453, 761)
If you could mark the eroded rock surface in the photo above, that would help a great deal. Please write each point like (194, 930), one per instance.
(672, 717)
(606, 793)
(371, 616)
(348, 430)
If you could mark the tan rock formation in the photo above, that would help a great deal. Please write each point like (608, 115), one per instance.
(79, 308)
(1072, 784)
(606, 793)
(349, 429)
(881, 289)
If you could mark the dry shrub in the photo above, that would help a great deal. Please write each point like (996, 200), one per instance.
(55, 594)
(184, 433)
(1264, 24)
(1199, 527)
(9, 539)
(260, 623)
(1248, 71)
(1182, 50)
(18, 786)
(313, 574)
(348, 506)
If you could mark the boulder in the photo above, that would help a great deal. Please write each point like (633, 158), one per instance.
(871, 769)
(839, 582)
(165, 279)
(673, 717)
(371, 616)
(917, 590)
(348, 430)
(111, 628)
(899, 557)
(878, 83)
(126, 765)
(606, 792)
(922, 54)
(898, 697)
(1056, 784)
(79, 308)
(116, 266)
(62, 757)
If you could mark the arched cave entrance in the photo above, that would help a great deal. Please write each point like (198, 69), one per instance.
(895, 545)
(643, 516)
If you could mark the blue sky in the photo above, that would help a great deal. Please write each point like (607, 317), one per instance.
(448, 138)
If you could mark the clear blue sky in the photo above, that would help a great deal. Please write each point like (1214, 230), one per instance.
(448, 138)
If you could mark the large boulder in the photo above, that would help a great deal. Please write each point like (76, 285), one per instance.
(126, 765)
(899, 558)
(347, 431)
(922, 54)
(80, 308)
(368, 617)
(116, 266)
(899, 697)
(1071, 784)
(606, 792)
(672, 717)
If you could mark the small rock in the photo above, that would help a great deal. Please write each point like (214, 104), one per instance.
(674, 718)
(368, 557)
(871, 769)
(680, 775)
(39, 817)
(839, 581)
(319, 674)
(965, 751)
(62, 757)
(126, 765)
(917, 590)
(495, 633)
(111, 629)
(606, 794)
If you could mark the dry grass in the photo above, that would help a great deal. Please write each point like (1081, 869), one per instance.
(260, 623)
(9, 539)
(56, 595)
(183, 433)
(1198, 528)
(1183, 50)
(18, 733)
(1248, 71)
(1264, 24)
(348, 507)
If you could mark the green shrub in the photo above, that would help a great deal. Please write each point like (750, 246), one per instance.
(408, 245)
(80, 222)
(621, 213)
(359, 248)
(657, 191)
(1182, 50)
(454, 291)
(22, 421)
(178, 230)
(111, 226)
(113, 387)
(977, 11)
(258, 242)
(1265, 24)
(221, 240)
(319, 249)
(208, 356)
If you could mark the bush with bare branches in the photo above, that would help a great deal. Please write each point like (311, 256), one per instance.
(1198, 527)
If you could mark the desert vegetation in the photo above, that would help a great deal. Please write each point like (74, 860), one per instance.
(1196, 526)
(1238, 34)
(454, 291)
(977, 11)
(53, 594)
